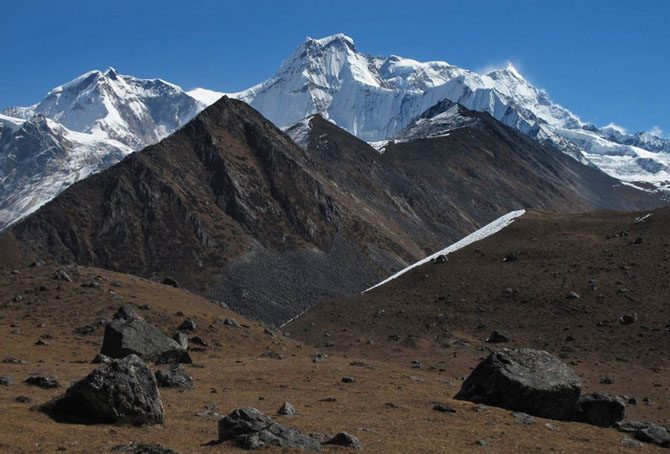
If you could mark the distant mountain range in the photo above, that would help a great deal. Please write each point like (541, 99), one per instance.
(95, 120)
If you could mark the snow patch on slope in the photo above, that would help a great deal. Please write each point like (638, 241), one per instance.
(486, 231)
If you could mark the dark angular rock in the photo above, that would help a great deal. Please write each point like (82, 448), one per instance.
(121, 392)
(231, 322)
(23, 400)
(143, 448)
(526, 380)
(443, 408)
(5, 381)
(511, 257)
(129, 334)
(345, 439)
(187, 325)
(250, 429)
(171, 282)
(599, 410)
(442, 258)
(42, 381)
(197, 340)
(13, 360)
(348, 379)
(175, 377)
(497, 337)
(628, 319)
(646, 432)
(572, 296)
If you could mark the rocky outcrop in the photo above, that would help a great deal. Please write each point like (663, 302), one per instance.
(599, 410)
(248, 428)
(128, 333)
(123, 391)
(526, 380)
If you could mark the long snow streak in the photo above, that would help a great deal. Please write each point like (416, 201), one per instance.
(486, 231)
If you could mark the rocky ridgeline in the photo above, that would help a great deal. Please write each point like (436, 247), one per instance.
(537, 383)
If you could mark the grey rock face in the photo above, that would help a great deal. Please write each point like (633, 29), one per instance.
(129, 334)
(345, 439)
(646, 432)
(175, 377)
(526, 380)
(250, 429)
(287, 409)
(123, 391)
(599, 410)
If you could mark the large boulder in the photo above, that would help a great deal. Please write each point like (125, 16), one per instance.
(248, 428)
(599, 410)
(525, 380)
(123, 391)
(128, 333)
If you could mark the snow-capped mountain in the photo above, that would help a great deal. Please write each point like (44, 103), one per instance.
(376, 97)
(82, 127)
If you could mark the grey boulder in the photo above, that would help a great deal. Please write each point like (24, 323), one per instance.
(175, 377)
(599, 410)
(128, 333)
(123, 391)
(525, 380)
(248, 428)
(646, 432)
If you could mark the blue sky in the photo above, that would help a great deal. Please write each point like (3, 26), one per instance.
(607, 61)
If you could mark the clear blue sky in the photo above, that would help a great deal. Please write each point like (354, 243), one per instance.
(607, 61)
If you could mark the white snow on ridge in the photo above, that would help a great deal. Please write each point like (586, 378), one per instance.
(204, 96)
(486, 231)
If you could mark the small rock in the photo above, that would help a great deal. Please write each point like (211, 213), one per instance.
(187, 325)
(286, 409)
(572, 296)
(143, 448)
(91, 284)
(13, 360)
(5, 381)
(511, 257)
(181, 339)
(101, 359)
(443, 408)
(171, 282)
(175, 377)
(23, 400)
(628, 319)
(42, 381)
(231, 322)
(62, 275)
(319, 358)
(197, 340)
(348, 379)
(524, 418)
(442, 258)
(646, 432)
(497, 337)
(627, 442)
(41, 342)
(346, 440)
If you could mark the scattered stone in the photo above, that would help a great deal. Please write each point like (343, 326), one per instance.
(443, 408)
(90, 329)
(497, 337)
(23, 400)
(5, 381)
(128, 333)
(531, 381)
(286, 410)
(36, 263)
(627, 442)
(482, 443)
(599, 410)
(511, 257)
(248, 428)
(272, 354)
(346, 440)
(606, 380)
(552, 427)
(646, 432)
(42, 381)
(16, 272)
(101, 359)
(524, 418)
(18, 298)
(632, 401)
(41, 342)
(442, 258)
(638, 240)
(13, 360)
(320, 437)
(572, 296)
(187, 325)
(91, 284)
(394, 405)
(319, 358)
(143, 448)
(628, 319)
(171, 282)
(181, 339)
(175, 377)
(199, 341)
(123, 391)
(231, 322)
(62, 275)
(348, 379)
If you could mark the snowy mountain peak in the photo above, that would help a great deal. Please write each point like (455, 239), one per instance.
(332, 39)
